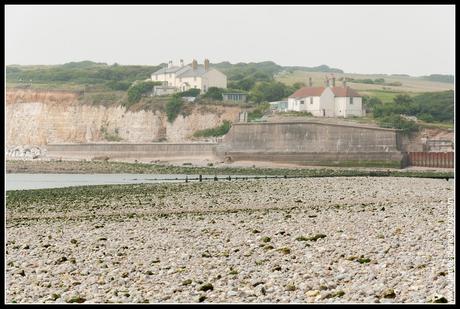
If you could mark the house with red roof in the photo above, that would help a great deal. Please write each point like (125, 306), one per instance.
(330, 101)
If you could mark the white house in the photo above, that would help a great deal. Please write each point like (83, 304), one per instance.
(327, 101)
(185, 77)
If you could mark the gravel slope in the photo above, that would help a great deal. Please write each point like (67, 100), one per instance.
(326, 240)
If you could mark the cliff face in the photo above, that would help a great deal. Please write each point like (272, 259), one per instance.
(40, 118)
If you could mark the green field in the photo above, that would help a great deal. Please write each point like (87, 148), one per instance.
(384, 95)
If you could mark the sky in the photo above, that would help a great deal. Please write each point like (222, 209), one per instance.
(411, 39)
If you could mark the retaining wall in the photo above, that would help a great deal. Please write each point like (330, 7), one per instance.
(313, 143)
(153, 150)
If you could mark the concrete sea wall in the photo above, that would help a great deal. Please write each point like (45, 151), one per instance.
(152, 150)
(312, 143)
(304, 143)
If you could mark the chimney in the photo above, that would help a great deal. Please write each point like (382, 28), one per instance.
(333, 82)
(310, 83)
(170, 63)
(206, 64)
(194, 64)
(182, 62)
(327, 81)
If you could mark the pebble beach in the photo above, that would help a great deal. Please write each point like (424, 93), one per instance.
(310, 240)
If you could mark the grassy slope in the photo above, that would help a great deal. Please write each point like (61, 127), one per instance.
(409, 84)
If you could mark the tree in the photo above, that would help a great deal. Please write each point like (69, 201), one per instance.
(245, 84)
(371, 102)
(268, 91)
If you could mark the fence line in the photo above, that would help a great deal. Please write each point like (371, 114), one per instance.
(432, 159)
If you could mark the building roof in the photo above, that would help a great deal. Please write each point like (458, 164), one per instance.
(173, 69)
(317, 91)
(344, 92)
(189, 72)
(307, 92)
(185, 71)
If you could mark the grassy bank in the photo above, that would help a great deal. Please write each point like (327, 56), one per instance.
(84, 167)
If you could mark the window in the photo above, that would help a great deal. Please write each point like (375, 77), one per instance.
(311, 100)
(302, 102)
(351, 100)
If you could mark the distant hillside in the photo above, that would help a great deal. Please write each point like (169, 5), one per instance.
(321, 68)
(119, 77)
(84, 73)
(439, 78)
(259, 71)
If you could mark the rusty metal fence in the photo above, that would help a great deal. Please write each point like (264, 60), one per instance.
(432, 159)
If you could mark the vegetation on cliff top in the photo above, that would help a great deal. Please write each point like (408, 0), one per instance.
(137, 90)
(214, 132)
(127, 85)
(85, 73)
(428, 107)
(174, 107)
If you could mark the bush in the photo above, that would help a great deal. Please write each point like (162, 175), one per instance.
(440, 105)
(403, 99)
(398, 122)
(371, 102)
(116, 85)
(426, 117)
(431, 107)
(297, 114)
(394, 84)
(214, 93)
(218, 131)
(136, 91)
(389, 109)
(173, 108)
(193, 92)
(258, 112)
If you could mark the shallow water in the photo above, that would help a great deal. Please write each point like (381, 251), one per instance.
(44, 181)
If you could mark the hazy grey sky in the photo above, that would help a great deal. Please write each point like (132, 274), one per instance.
(415, 40)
